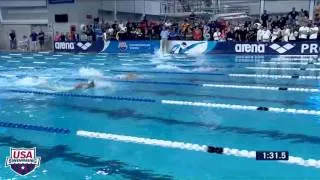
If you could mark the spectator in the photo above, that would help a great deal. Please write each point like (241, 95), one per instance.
(265, 18)
(192, 16)
(266, 34)
(293, 34)
(259, 34)
(197, 34)
(189, 34)
(62, 37)
(217, 35)
(230, 35)
(252, 34)
(275, 36)
(41, 39)
(13, 40)
(285, 34)
(303, 32)
(57, 37)
(25, 43)
(293, 16)
(314, 30)
(242, 34)
(33, 43)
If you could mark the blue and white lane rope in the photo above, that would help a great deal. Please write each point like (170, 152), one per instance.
(241, 107)
(284, 68)
(182, 103)
(193, 147)
(270, 88)
(275, 76)
(161, 143)
(289, 63)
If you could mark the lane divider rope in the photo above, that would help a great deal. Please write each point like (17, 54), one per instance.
(290, 63)
(284, 69)
(33, 127)
(161, 143)
(192, 147)
(174, 102)
(241, 107)
(275, 76)
(271, 88)
(83, 95)
(168, 72)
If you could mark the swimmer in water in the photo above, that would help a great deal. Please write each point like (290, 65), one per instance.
(88, 85)
(131, 76)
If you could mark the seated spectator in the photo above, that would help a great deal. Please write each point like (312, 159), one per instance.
(303, 32)
(189, 34)
(62, 37)
(285, 34)
(217, 35)
(314, 30)
(57, 37)
(184, 27)
(259, 34)
(230, 36)
(173, 34)
(197, 34)
(266, 34)
(83, 37)
(275, 36)
(252, 34)
(293, 34)
(243, 34)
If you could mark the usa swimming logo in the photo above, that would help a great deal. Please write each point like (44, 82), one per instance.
(123, 46)
(23, 161)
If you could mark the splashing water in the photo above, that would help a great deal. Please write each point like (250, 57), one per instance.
(90, 72)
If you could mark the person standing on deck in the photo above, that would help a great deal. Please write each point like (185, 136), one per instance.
(164, 40)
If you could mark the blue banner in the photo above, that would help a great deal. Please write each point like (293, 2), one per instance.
(194, 47)
(60, 1)
(133, 47)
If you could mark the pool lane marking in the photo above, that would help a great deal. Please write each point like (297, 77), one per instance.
(57, 55)
(66, 63)
(15, 54)
(98, 64)
(39, 62)
(167, 72)
(192, 147)
(25, 67)
(13, 61)
(6, 57)
(37, 55)
(50, 58)
(275, 76)
(28, 57)
(180, 103)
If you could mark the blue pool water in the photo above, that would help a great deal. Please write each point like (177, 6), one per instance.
(179, 78)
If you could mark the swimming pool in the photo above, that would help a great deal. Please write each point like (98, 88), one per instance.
(207, 100)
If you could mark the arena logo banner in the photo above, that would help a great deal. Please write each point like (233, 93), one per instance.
(279, 48)
(78, 46)
(60, 1)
